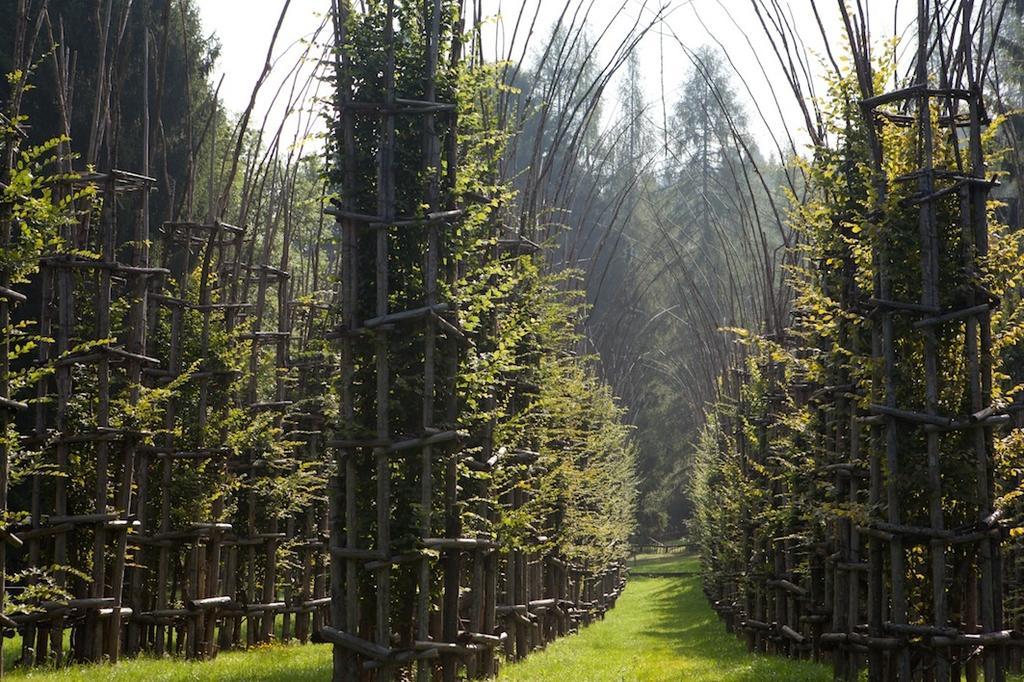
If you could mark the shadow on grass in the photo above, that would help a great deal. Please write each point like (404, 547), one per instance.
(685, 623)
(661, 630)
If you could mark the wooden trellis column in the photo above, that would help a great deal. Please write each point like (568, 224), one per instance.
(97, 609)
(356, 648)
(262, 604)
(432, 168)
(8, 298)
(187, 559)
(372, 639)
(306, 590)
(127, 503)
(934, 185)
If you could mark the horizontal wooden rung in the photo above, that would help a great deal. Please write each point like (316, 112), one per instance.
(953, 315)
(272, 606)
(210, 307)
(521, 243)
(404, 316)
(122, 353)
(994, 421)
(271, 406)
(122, 524)
(918, 199)
(463, 544)
(315, 603)
(357, 554)
(83, 519)
(87, 603)
(378, 222)
(265, 336)
(122, 180)
(215, 225)
(12, 405)
(788, 587)
(920, 630)
(477, 465)
(45, 531)
(914, 531)
(845, 469)
(357, 644)
(484, 639)
(841, 638)
(12, 295)
(447, 647)
(213, 526)
(10, 538)
(166, 613)
(945, 174)
(360, 443)
(190, 454)
(904, 306)
(791, 634)
(267, 269)
(997, 638)
(112, 266)
(103, 353)
(517, 456)
(406, 558)
(912, 416)
(915, 91)
(401, 106)
(425, 441)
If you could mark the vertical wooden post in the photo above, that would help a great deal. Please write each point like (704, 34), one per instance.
(386, 210)
(432, 165)
(343, 512)
(9, 149)
(136, 342)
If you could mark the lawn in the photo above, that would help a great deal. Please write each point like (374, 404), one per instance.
(268, 664)
(674, 562)
(661, 629)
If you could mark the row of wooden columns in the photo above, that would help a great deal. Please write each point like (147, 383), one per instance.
(488, 599)
(158, 583)
(888, 594)
(112, 516)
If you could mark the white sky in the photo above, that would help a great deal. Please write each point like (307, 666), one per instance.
(244, 28)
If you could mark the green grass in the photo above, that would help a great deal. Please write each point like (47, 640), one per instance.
(661, 629)
(269, 664)
(673, 562)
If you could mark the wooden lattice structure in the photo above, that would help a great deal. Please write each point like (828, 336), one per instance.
(972, 589)
(104, 515)
(160, 583)
(186, 378)
(906, 581)
(522, 599)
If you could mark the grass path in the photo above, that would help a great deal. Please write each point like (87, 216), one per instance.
(661, 630)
